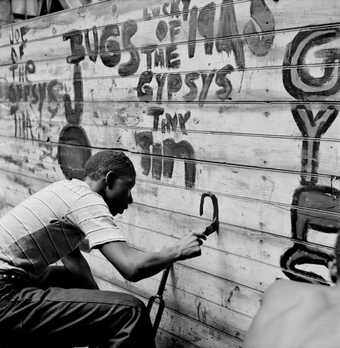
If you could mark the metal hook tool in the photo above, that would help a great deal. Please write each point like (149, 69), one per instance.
(159, 298)
(215, 225)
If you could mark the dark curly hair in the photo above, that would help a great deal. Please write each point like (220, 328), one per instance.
(102, 162)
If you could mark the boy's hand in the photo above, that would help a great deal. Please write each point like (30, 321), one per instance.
(190, 246)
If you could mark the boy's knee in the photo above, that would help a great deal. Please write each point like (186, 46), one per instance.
(131, 320)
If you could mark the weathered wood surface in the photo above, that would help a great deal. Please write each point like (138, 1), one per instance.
(191, 333)
(265, 152)
(198, 308)
(245, 194)
(244, 104)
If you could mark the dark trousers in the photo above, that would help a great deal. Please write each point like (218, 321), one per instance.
(42, 315)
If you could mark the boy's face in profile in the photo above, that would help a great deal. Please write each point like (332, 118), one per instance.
(118, 195)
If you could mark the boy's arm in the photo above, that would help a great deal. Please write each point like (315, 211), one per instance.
(135, 265)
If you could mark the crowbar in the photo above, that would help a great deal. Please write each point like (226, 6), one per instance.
(158, 298)
(214, 226)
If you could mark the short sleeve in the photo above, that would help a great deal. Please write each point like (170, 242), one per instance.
(91, 214)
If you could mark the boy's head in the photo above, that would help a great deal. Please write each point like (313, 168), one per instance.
(114, 176)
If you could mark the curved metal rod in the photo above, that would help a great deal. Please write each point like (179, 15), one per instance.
(214, 226)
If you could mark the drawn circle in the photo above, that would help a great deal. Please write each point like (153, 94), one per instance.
(72, 159)
(161, 30)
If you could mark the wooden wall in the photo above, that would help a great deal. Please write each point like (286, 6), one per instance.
(237, 98)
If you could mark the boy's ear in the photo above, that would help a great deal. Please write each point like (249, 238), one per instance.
(110, 179)
(333, 270)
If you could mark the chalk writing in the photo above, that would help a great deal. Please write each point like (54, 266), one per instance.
(34, 93)
(23, 94)
(23, 124)
(18, 42)
(170, 8)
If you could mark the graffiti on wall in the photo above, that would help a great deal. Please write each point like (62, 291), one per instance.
(164, 154)
(203, 23)
(74, 147)
(172, 19)
(312, 204)
(214, 27)
(25, 96)
(29, 100)
(216, 32)
(159, 82)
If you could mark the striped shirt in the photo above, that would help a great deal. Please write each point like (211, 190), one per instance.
(26, 243)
